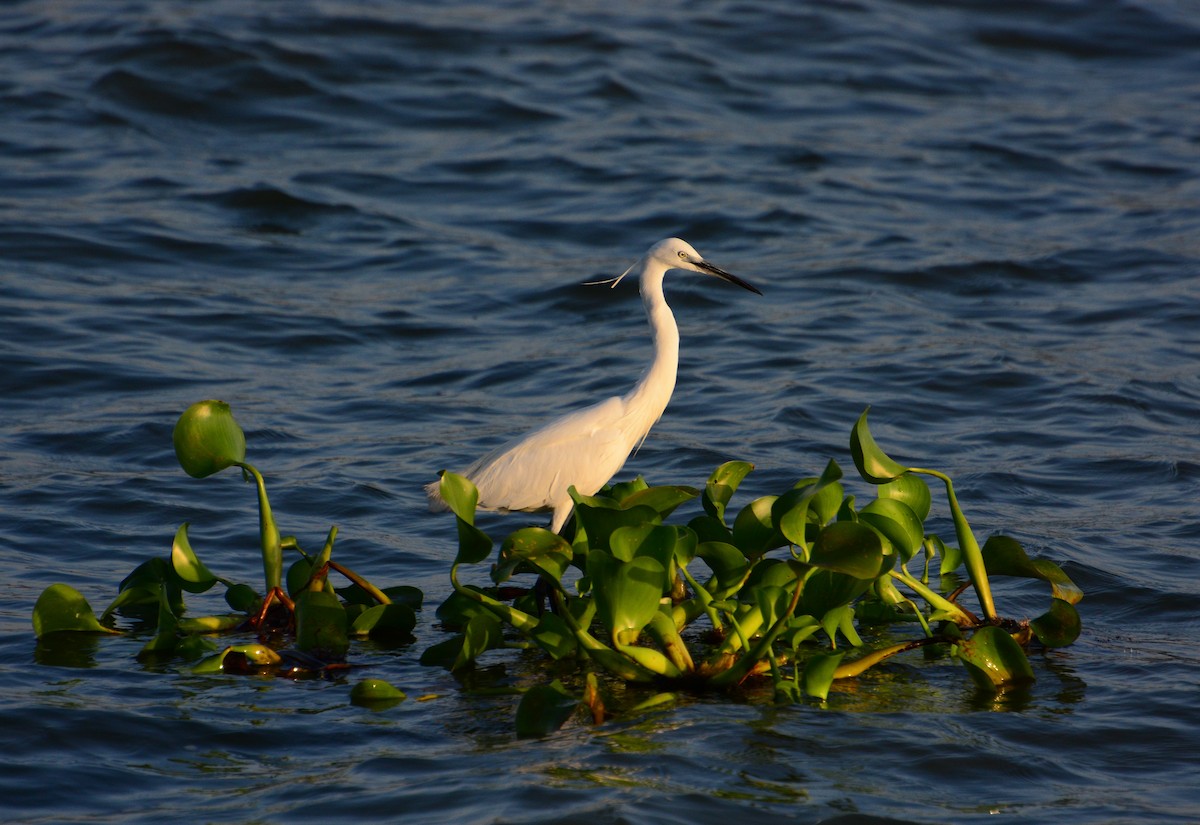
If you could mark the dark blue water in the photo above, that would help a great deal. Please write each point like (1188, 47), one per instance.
(365, 225)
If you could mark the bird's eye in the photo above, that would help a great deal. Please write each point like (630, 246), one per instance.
(683, 255)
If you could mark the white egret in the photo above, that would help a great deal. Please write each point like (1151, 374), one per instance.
(587, 447)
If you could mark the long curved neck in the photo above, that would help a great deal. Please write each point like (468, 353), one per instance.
(653, 390)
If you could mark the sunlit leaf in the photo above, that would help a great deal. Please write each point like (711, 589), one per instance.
(544, 709)
(62, 608)
(211, 624)
(207, 439)
(194, 577)
(728, 564)
(460, 495)
(532, 549)
(599, 522)
(1059, 626)
(825, 590)
(818, 673)
(622, 490)
(553, 636)
(254, 654)
(721, 486)
(1004, 556)
(754, 531)
(662, 500)
(627, 593)
(994, 659)
(897, 522)
(654, 540)
(910, 489)
(851, 548)
(873, 464)
(376, 693)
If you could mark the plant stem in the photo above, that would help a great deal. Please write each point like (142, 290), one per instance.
(972, 555)
(272, 552)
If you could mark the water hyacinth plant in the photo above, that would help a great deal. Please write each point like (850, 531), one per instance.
(302, 623)
(779, 592)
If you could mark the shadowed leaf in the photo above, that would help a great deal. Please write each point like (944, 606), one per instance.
(544, 709)
(1059, 626)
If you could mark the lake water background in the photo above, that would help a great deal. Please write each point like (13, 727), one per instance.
(366, 226)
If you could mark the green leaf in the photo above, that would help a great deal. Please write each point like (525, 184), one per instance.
(321, 626)
(994, 659)
(207, 439)
(554, 636)
(1059, 626)
(376, 693)
(662, 500)
(1004, 556)
(897, 522)
(385, 621)
(850, 548)
(872, 463)
(754, 531)
(544, 709)
(819, 670)
(62, 608)
(721, 486)
(599, 522)
(627, 593)
(194, 577)
(728, 564)
(533, 549)
(242, 597)
(654, 540)
(460, 495)
(825, 590)
(910, 489)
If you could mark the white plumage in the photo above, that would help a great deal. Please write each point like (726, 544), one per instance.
(587, 447)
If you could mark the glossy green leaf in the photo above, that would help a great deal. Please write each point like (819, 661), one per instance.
(194, 577)
(622, 490)
(819, 671)
(721, 486)
(211, 624)
(254, 654)
(654, 540)
(1004, 556)
(600, 522)
(544, 709)
(851, 548)
(627, 593)
(208, 439)
(910, 489)
(662, 500)
(897, 522)
(728, 564)
(873, 464)
(460, 495)
(376, 692)
(1059, 626)
(533, 549)
(483, 632)
(554, 636)
(62, 608)
(321, 625)
(385, 621)
(994, 659)
(754, 531)
(825, 590)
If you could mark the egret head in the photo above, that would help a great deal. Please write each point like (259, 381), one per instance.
(674, 253)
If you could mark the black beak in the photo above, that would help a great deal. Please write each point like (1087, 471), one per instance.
(725, 276)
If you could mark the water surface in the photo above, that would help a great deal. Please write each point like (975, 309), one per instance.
(366, 226)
